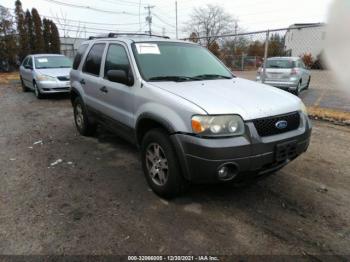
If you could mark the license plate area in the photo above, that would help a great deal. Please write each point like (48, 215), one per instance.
(286, 151)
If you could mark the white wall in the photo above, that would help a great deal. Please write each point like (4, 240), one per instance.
(305, 40)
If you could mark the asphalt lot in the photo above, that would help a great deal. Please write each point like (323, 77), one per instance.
(324, 90)
(96, 201)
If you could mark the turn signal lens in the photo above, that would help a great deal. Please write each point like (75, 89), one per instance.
(197, 126)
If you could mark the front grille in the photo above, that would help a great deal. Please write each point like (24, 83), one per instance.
(267, 126)
(63, 78)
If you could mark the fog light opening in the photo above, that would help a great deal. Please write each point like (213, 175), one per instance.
(227, 172)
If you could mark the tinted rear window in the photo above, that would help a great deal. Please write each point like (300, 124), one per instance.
(280, 63)
(79, 56)
(93, 60)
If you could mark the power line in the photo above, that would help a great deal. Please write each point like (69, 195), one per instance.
(89, 8)
(164, 22)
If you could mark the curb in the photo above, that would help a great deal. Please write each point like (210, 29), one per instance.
(331, 115)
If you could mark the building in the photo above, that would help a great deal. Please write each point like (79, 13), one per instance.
(70, 45)
(305, 39)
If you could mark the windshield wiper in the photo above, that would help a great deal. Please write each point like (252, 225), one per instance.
(211, 76)
(171, 78)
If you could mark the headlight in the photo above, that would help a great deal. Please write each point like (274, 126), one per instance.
(225, 125)
(45, 78)
(303, 108)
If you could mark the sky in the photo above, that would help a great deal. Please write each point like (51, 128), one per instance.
(93, 17)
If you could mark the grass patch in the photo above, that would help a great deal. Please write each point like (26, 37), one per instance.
(329, 114)
(5, 78)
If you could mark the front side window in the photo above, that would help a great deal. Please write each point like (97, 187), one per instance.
(45, 62)
(117, 59)
(280, 63)
(25, 61)
(30, 62)
(161, 61)
(93, 60)
(79, 56)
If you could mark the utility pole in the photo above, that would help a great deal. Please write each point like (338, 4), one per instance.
(149, 18)
(177, 34)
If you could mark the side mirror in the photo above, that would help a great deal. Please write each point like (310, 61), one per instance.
(28, 67)
(120, 76)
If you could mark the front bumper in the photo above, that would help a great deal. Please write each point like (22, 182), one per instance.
(50, 87)
(253, 155)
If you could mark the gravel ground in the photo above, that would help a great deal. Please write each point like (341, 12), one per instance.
(61, 193)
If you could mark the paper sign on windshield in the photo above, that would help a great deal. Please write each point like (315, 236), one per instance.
(43, 60)
(145, 48)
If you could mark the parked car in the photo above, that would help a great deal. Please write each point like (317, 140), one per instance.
(288, 73)
(193, 120)
(45, 74)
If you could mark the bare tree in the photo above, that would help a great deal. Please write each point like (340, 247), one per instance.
(209, 22)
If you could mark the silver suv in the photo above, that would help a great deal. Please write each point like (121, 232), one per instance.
(287, 73)
(193, 120)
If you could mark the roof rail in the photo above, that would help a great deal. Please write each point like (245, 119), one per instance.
(114, 35)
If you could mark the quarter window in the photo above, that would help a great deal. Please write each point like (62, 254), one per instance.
(79, 56)
(93, 60)
(117, 59)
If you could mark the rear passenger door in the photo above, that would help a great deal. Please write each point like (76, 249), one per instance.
(91, 80)
(117, 98)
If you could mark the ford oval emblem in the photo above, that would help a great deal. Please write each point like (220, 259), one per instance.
(282, 124)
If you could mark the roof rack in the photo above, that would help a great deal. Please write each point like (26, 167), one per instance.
(114, 35)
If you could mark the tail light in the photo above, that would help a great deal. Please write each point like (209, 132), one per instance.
(294, 71)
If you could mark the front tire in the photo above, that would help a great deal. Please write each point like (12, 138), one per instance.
(37, 92)
(160, 165)
(83, 124)
(24, 87)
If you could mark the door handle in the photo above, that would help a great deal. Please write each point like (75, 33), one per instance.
(82, 81)
(104, 89)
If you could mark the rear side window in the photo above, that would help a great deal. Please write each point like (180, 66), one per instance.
(79, 56)
(93, 60)
(117, 59)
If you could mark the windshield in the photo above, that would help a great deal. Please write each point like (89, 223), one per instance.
(166, 61)
(44, 62)
(280, 63)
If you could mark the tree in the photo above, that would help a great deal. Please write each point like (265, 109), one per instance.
(276, 45)
(21, 30)
(8, 45)
(38, 31)
(28, 22)
(215, 49)
(209, 22)
(55, 39)
(46, 35)
(256, 48)
(193, 37)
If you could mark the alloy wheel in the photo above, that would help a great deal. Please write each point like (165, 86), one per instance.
(79, 117)
(157, 164)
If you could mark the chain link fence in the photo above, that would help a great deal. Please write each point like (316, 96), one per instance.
(246, 54)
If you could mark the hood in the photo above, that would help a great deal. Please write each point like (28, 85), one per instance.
(251, 100)
(54, 72)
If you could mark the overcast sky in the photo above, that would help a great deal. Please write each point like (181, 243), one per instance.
(124, 14)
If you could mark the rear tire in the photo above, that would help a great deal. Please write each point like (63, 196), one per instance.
(297, 90)
(161, 166)
(308, 83)
(83, 124)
